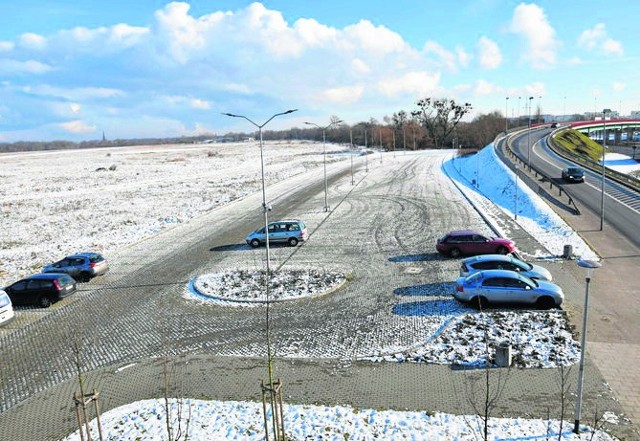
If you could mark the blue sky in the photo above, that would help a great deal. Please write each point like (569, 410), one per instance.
(150, 68)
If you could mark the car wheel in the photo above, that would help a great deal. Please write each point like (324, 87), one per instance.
(479, 302)
(545, 302)
(255, 243)
(44, 301)
(293, 241)
(455, 252)
(503, 250)
(84, 277)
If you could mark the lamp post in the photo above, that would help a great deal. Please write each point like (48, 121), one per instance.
(604, 147)
(506, 115)
(589, 266)
(516, 194)
(265, 209)
(324, 147)
(351, 143)
(366, 149)
(519, 98)
(528, 136)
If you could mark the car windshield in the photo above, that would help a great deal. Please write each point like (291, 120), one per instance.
(473, 277)
(522, 264)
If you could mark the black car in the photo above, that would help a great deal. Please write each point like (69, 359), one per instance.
(41, 289)
(573, 174)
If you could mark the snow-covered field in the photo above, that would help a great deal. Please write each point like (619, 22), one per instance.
(56, 203)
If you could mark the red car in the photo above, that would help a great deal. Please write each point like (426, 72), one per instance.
(467, 242)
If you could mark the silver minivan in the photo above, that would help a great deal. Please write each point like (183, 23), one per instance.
(289, 231)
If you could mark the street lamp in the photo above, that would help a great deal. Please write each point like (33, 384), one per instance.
(604, 147)
(589, 266)
(506, 115)
(516, 194)
(324, 146)
(265, 209)
(528, 136)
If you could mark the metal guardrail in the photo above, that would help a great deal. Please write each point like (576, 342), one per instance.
(531, 182)
(621, 178)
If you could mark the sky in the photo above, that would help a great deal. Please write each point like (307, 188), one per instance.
(75, 70)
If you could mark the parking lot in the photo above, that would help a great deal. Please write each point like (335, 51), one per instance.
(380, 231)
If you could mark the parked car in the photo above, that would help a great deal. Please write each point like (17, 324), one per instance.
(474, 264)
(469, 242)
(289, 231)
(41, 289)
(6, 308)
(82, 266)
(573, 174)
(501, 286)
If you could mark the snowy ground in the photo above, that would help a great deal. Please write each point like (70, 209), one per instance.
(105, 199)
(621, 163)
(231, 420)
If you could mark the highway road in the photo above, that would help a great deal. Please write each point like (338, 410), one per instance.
(621, 205)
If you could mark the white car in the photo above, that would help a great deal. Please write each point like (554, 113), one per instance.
(498, 261)
(502, 286)
(6, 308)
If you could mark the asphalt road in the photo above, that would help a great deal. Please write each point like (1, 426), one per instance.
(622, 205)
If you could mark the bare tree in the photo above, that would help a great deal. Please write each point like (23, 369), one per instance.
(440, 117)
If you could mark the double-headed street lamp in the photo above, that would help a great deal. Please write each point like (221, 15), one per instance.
(324, 146)
(506, 115)
(265, 209)
(528, 136)
(604, 147)
(589, 266)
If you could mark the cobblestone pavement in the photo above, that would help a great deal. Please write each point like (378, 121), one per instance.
(380, 231)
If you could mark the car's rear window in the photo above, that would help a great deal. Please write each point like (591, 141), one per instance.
(66, 280)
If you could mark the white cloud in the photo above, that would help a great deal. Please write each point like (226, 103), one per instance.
(197, 103)
(530, 21)
(75, 107)
(77, 93)
(596, 38)
(30, 40)
(6, 46)
(618, 86)
(313, 33)
(77, 126)
(342, 95)
(373, 39)
(360, 67)
(238, 88)
(489, 55)
(412, 83)
(8, 67)
(483, 88)
(463, 56)
(445, 58)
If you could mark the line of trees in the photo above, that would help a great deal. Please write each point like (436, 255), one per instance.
(433, 123)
